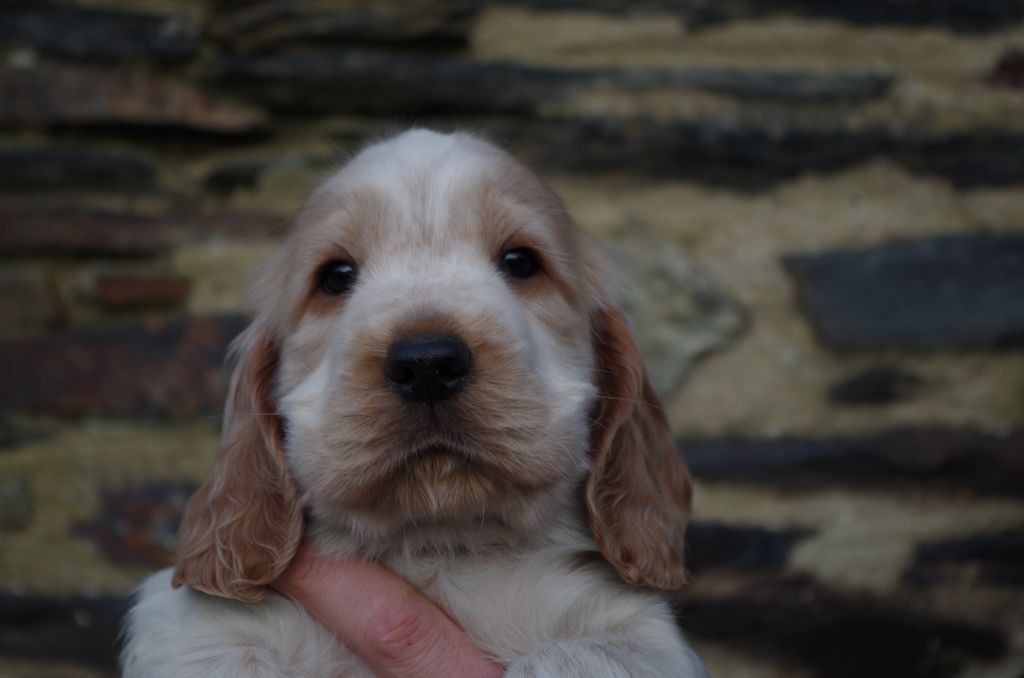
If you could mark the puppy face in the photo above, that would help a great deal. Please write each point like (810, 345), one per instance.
(434, 347)
(439, 364)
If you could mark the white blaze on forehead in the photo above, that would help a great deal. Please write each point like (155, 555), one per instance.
(417, 174)
(422, 153)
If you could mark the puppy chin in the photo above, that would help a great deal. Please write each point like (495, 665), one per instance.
(443, 520)
(431, 498)
(432, 485)
(438, 484)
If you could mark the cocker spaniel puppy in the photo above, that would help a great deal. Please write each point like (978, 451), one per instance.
(435, 378)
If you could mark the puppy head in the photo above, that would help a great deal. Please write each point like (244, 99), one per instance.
(434, 347)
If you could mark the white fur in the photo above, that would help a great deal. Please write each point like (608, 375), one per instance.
(187, 634)
(540, 613)
(528, 586)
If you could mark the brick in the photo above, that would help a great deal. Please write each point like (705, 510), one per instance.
(81, 630)
(28, 301)
(46, 94)
(797, 622)
(1009, 70)
(966, 160)
(878, 385)
(957, 15)
(267, 25)
(779, 85)
(951, 292)
(712, 546)
(236, 175)
(138, 524)
(29, 168)
(170, 368)
(328, 80)
(760, 153)
(996, 559)
(373, 81)
(131, 290)
(81, 230)
(79, 32)
(936, 458)
(966, 16)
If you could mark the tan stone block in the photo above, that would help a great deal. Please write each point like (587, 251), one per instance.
(139, 289)
(69, 471)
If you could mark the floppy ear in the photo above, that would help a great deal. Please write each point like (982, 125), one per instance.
(243, 525)
(638, 493)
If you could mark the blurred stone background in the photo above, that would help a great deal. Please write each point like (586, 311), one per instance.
(818, 206)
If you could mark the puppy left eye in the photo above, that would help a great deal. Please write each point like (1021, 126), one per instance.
(338, 277)
(520, 263)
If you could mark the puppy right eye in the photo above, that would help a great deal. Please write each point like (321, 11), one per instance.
(520, 262)
(338, 277)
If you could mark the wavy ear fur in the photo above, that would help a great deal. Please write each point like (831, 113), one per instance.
(243, 525)
(638, 492)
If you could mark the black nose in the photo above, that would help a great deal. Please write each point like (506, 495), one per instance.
(428, 368)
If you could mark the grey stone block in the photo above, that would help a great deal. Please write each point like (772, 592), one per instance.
(78, 32)
(956, 292)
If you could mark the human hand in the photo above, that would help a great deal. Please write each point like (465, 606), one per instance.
(393, 627)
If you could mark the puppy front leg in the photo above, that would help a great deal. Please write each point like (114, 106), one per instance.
(613, 656)
(642, 647)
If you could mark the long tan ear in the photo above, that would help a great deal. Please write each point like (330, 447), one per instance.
(243, 525)
(638, 493)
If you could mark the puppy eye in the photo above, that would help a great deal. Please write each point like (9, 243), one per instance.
(520, 263)
(338, 277)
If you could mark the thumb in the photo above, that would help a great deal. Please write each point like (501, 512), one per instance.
(409, 637)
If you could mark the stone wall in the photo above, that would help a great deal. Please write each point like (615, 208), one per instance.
(818, 207)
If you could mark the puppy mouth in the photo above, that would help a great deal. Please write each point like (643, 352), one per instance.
(439, 461)
(437, 450)
(446, 441)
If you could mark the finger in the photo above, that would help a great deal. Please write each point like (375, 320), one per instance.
(307, 570)
(409, 636)
(395, 629)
